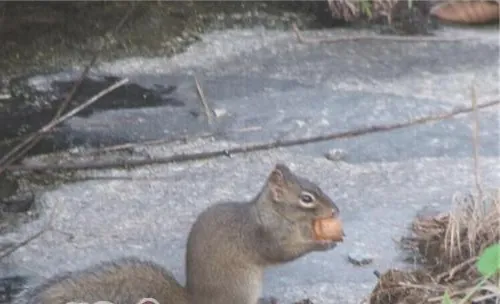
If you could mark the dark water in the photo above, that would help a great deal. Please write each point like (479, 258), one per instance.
(31, 109)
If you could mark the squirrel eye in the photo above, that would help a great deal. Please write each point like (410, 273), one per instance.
(307, 199)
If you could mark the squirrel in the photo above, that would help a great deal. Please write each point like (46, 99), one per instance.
(228, 247)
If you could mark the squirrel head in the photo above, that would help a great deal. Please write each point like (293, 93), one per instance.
(296, 197)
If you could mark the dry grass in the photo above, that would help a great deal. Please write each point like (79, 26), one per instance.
(447, 246)
(350, 10)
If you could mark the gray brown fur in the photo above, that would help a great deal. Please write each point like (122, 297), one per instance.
(241, 239)
(123, 281)
(229, 246)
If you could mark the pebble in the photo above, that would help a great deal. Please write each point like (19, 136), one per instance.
(336, 155)
(5, 96)
(359, 258)
(220, 112)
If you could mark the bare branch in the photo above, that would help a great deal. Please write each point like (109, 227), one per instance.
(475, 138)
(33, 237)
(32, 139)
(208, 111)
(4, 162)
(184, 157)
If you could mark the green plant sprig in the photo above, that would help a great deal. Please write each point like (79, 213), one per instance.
(488, 265)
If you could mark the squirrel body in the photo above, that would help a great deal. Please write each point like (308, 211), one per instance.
(126, 280)
(229, 246)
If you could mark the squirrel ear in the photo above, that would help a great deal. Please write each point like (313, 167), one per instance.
(277, 176)
(277, 183)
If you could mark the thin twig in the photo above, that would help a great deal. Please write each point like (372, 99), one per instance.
(32, 139)
(301, 39)
(451, 294)
(169, 140)
(53, 123)
(129, 178)
(16, 246)
(33, 237)
(475, 141)
(247, 129)
(83, 105)
(183, 157)
(95, 55)
(420, 286)
(208, 111)
(76, 86)
(440, 298)
(149, 142)
(449, 274)
(485, 298)
(8, 141)
(494, 294)
(4, 161)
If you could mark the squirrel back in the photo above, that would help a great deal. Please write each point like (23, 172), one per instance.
(126, 280)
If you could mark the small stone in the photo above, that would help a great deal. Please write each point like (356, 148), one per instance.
(75, 150)
(5, 96)
(220, 112)
(336, 155)
(359, 258)
(300, 123)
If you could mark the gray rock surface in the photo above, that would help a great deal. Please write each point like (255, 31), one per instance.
(266, 79)
(359, 257)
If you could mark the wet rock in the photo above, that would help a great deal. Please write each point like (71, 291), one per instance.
(336, 155)
(360, 257)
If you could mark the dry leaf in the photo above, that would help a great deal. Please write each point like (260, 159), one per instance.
(467, 12)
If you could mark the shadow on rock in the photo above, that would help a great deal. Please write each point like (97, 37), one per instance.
(35, 100)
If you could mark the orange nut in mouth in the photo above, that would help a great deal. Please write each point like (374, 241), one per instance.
(329, 229)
